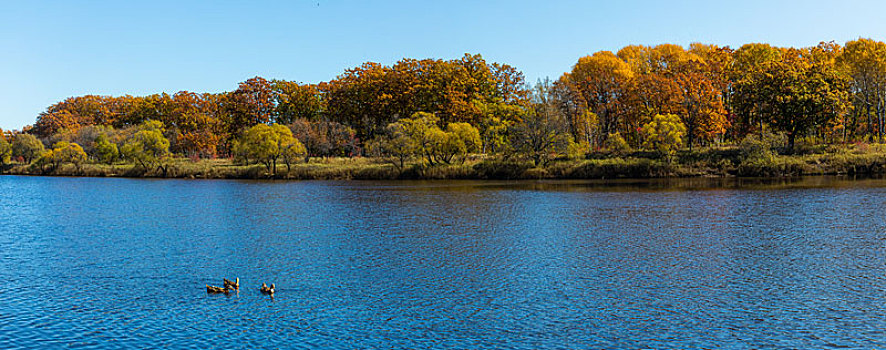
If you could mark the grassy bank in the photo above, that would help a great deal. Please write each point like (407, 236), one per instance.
(712, 162)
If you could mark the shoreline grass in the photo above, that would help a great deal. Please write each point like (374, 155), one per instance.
(710, 162)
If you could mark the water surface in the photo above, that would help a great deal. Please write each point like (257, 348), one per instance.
(122, 263)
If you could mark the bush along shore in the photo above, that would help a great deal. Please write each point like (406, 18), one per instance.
(859, 159)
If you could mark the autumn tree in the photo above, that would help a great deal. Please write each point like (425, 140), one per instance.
(360, 98)
(701, 102)
(864, 60)
(76, 112)
(194, 126)
(746, 71)
(602, 81)
(252, 103)
(582, 122)
(296, 101)
(371, 96)
(5, 150)
(797, 93)
(324, 139)
(689, 84)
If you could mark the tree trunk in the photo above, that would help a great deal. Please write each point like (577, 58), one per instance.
(870, 123)
(880, 122)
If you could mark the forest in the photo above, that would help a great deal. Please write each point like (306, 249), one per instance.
(643, 111)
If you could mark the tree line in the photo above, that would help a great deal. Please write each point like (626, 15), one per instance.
(661, 98)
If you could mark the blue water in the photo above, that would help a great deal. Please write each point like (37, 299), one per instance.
(123, 263)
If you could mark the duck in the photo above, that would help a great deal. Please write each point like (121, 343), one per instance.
(267, 290)
(217, 290)
(235, 285)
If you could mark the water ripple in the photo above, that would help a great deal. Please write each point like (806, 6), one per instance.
(118, 263)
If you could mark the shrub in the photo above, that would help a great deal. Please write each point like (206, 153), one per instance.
(664, 134)
(752, 148)
(616, 145)
(501, 170)
(576, 150)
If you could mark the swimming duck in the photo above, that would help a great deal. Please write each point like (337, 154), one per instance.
(216, 290)
(266, 290)
(232, 285)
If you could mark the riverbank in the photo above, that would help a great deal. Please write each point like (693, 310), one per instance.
(722, 162)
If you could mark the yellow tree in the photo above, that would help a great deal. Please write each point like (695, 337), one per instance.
(61, 153)
(603, 81)
(864, 60)
(664, 134)
(799, 93)
(637, 56)
(5, 150)
(746, 99)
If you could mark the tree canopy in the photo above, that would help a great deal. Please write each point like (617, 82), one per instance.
(430, 108)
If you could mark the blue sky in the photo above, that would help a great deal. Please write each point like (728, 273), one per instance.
(51, 50)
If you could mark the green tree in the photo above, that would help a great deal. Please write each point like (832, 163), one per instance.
(494, 122)
(148, 147)
(69, 153)
(394, 143)
(495, 134)
(664, 134)
(464, 138)
(63, 153)
(292, 151)
(268, 143)
(428, 138)
(27, 146)
(105, 151)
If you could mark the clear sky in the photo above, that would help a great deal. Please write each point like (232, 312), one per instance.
(51, 50)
